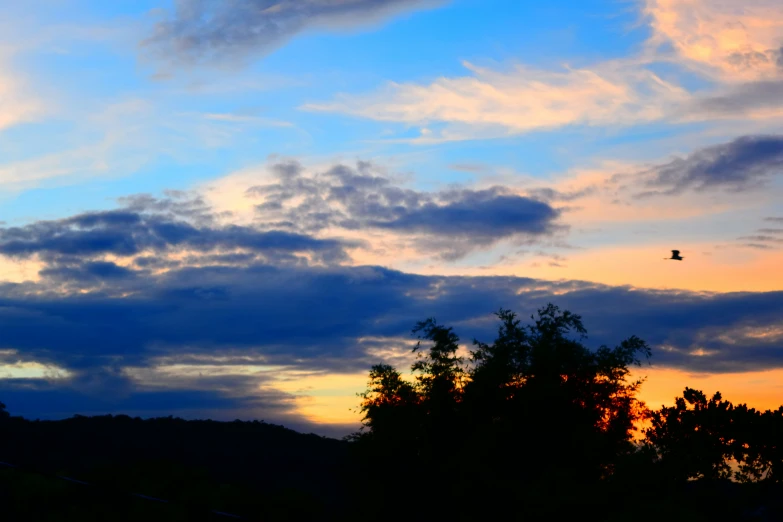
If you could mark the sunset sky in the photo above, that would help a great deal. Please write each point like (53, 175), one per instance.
(233, 208)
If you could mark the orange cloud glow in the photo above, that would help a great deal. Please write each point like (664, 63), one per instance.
(519, 101)
(735, 40)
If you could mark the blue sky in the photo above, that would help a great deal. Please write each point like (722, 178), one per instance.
(565, 141)
(92, 75)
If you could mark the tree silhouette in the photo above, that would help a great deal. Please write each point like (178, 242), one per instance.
(439, 378)
(697, 438)
(536, 409)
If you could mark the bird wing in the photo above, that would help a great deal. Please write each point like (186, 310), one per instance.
(676, 252)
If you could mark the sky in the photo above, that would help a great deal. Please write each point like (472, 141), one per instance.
(233, 208)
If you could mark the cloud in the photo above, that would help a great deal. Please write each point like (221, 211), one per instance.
(95, 271)
(17, 103)
(762, 238)
(314, 318)
(410, 229)
(551, 194)
(756, 100)
(223, 339)
(94, 394)
(719, 37)
(131, 133)
(363, 198)
(744, 163)
(496, 104)
(477, 214)
(85, 247)
(214, 32)
(732, 176)
(740, 49)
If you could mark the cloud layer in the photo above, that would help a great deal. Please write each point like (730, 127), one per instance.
(316, 319)
(86, 248)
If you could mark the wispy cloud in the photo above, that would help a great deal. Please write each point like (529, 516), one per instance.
(493, 103)
(119, 137)
(248, 119)
(232, 31)
(740, 50)
(18, 104)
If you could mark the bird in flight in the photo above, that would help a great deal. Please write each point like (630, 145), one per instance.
(675, 256)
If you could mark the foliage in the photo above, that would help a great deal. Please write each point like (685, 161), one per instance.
(536, 419)
(534, 408)
(697, 438)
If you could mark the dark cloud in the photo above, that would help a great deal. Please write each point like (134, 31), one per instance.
(227, 31)
(450, 222)
(774, 219)
(479, 215)
(89, 272)
(771, 230)
(48, 400)
(150, 225)
(319, 319)
(744, 163)
(313, 317)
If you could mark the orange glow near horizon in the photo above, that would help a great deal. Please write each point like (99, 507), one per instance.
(762, 390)
(704, 269)
(331, 399)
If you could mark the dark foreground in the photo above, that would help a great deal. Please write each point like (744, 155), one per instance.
(536, 426)
(212, 470)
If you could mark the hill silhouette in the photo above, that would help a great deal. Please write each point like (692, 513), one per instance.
(206, 464)
(534, 426)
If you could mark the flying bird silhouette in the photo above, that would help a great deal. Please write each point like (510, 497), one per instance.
(675, 256)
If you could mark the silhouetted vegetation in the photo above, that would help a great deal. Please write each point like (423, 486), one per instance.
(534, 426)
